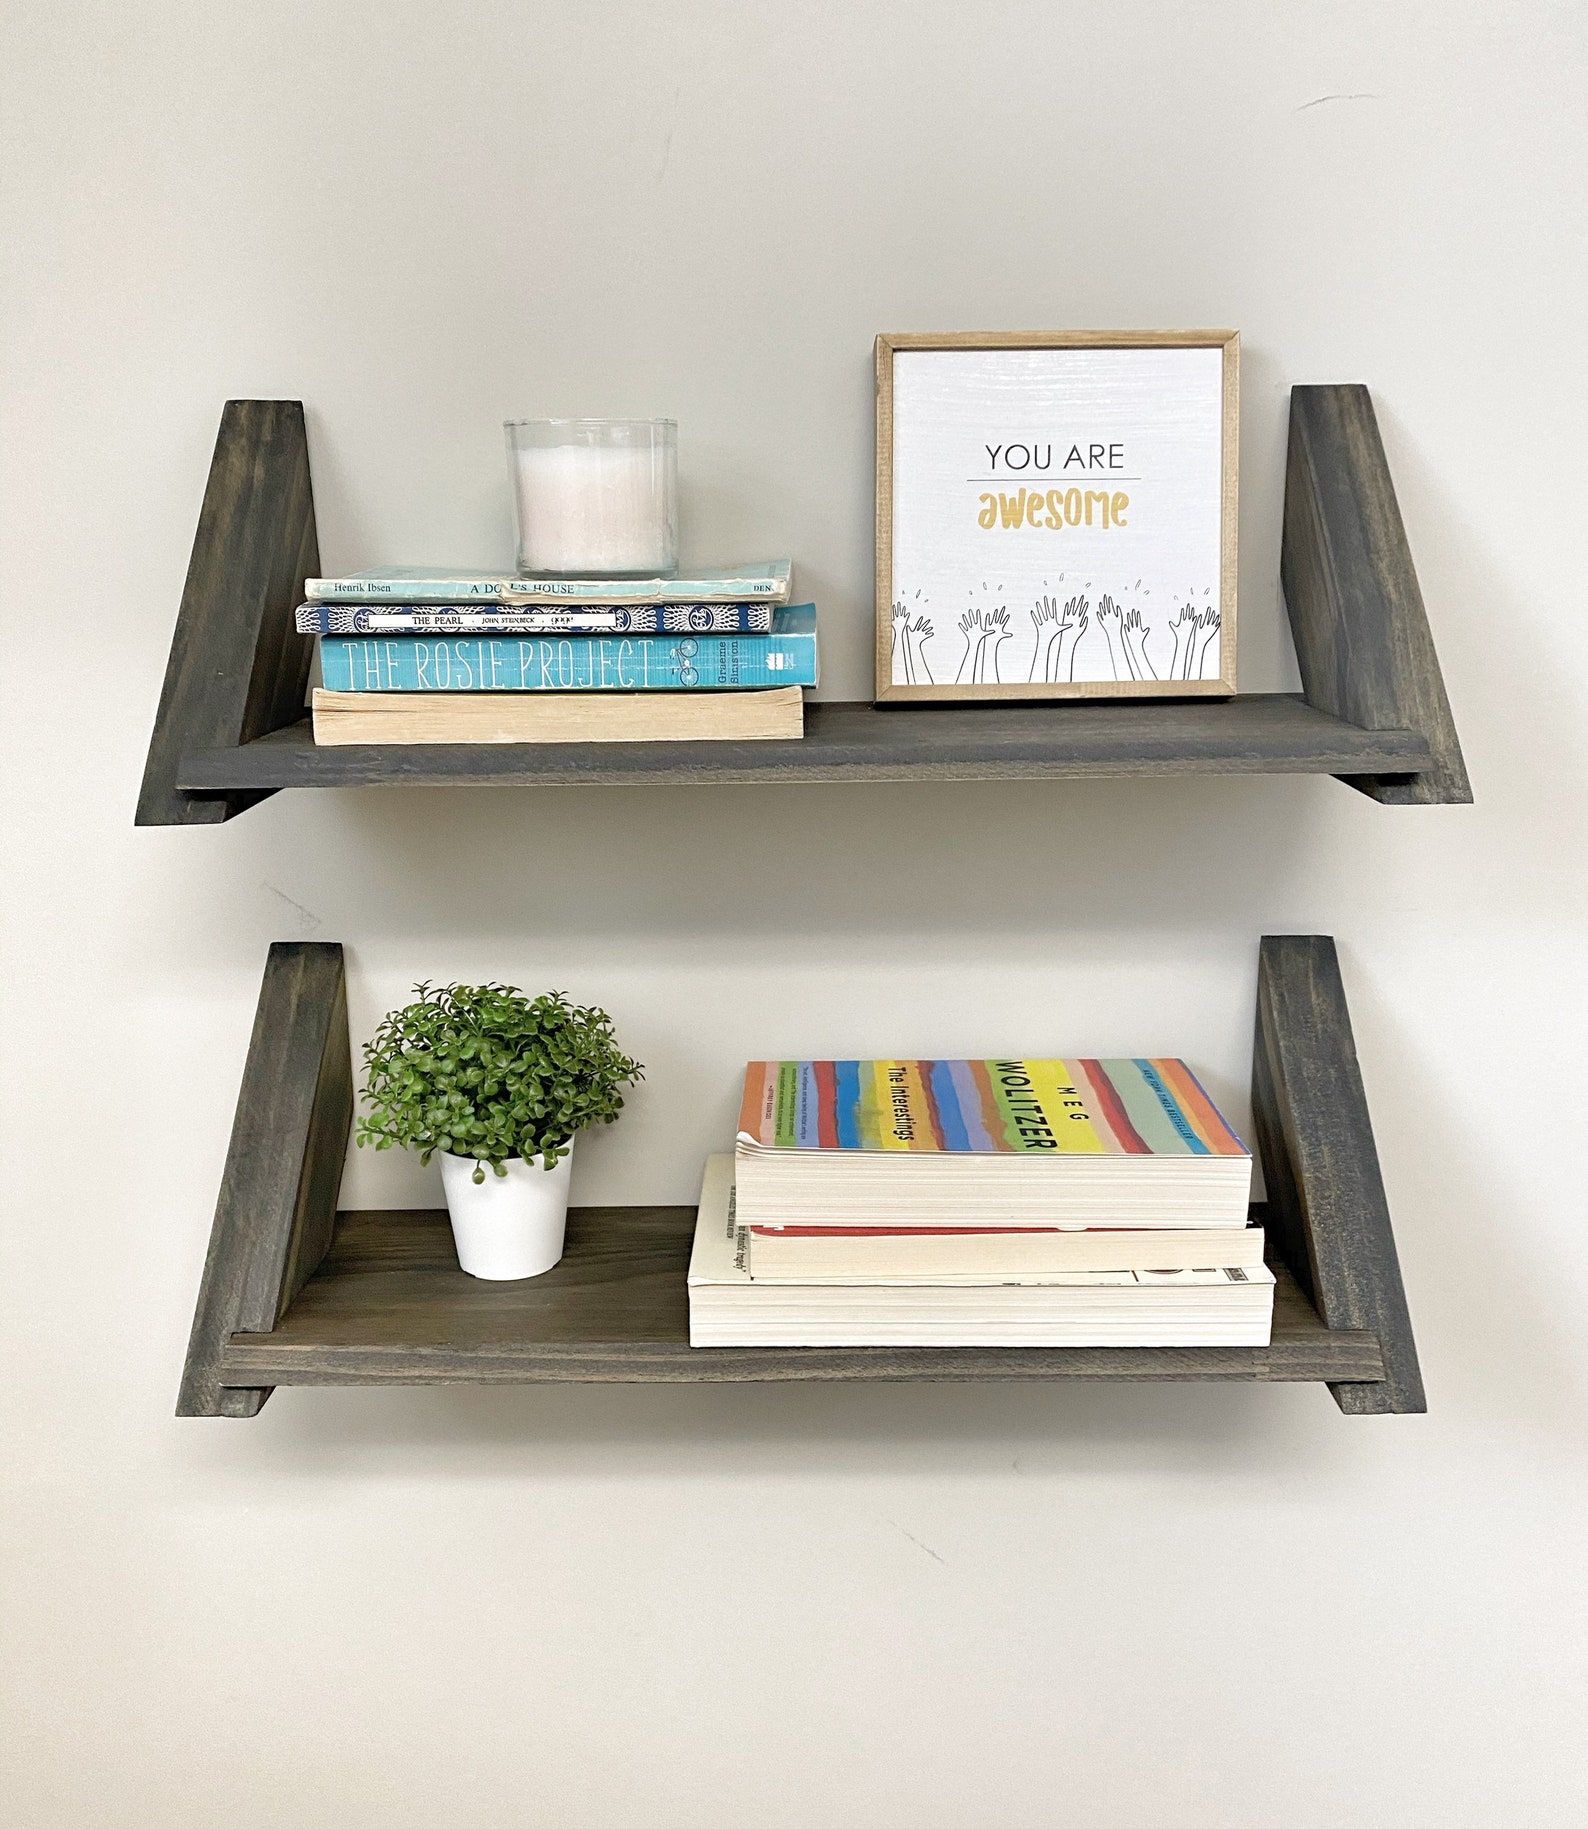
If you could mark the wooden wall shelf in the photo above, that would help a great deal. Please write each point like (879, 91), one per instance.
(230, 728)
(295, 1292)
(1258, 734)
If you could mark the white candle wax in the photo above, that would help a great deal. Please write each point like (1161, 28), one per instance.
(595, 509)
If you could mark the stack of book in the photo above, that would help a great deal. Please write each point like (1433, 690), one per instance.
(979, 1203)
(423, 657)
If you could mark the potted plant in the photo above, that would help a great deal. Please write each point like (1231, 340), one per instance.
(499, 1086)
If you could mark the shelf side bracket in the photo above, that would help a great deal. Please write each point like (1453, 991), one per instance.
(277, 1206)
(238, 668)
(1327, 1213)
(1356, 610)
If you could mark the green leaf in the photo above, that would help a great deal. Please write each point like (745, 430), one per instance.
(481, 1070)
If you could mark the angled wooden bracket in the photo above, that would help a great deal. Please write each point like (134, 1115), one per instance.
(277, 1206)
(1327, 1214)
(1356, 611)
(238, 668)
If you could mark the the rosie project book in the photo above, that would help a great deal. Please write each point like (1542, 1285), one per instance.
(1060, 1142)
(576, 663)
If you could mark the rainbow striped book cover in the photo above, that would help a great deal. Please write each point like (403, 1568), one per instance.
(1005, 1108)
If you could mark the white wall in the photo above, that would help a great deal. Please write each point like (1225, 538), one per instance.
(1120, 1606)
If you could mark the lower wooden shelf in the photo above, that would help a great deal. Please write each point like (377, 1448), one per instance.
(295, 1292)
(389, 1305)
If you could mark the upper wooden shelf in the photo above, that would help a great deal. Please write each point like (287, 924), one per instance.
(1258, 734)
(296, 1292)
(230, 729)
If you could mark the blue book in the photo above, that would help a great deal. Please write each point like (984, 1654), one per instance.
(576, 663)
(764, 578)
(534, 619)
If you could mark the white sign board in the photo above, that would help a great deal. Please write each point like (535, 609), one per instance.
(1056, 520)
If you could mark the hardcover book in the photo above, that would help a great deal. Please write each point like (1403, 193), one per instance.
(765, 578)
(576, 663)
(545, 619)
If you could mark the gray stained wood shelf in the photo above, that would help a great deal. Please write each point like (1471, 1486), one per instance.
(389, 1304)
(295, 1292)
(230, 728)
(1267, 734)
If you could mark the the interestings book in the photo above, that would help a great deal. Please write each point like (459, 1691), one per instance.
(576, 663)
(766, 579)
(1071, 1143)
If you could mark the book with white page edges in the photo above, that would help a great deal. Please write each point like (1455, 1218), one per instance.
(982, 1254)
(727, 1307)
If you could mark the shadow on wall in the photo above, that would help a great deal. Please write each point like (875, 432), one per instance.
(763, 1433)
(999, 859)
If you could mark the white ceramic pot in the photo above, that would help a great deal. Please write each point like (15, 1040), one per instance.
(507, 1226)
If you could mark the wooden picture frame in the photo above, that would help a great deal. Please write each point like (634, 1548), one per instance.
(1075, 638)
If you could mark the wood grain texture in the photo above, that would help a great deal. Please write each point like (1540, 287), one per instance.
(1328, 1217)
(1356, 610)
(882, 563)
(277, 1205)
(237, 666)
(390, 1306)
(1259, 734)
(887, 344)
(1055, 339)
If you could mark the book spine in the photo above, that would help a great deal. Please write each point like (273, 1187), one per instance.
(436, 619)
(543, 590)
(573, 663)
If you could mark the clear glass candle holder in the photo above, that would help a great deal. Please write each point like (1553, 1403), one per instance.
(597, 498)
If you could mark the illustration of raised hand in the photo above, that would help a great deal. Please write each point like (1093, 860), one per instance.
(1045, 621)
(1077, 613)
(1183, 628)
(970, 627)
(1207, 628)
(1111, 618)
(1059, 628)
(1134, 634)
(900, 620)
(911, 631)
(995, 631)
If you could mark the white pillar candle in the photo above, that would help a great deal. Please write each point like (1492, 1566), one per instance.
(595, 497)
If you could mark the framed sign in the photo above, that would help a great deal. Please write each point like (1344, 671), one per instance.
(1056, 514)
